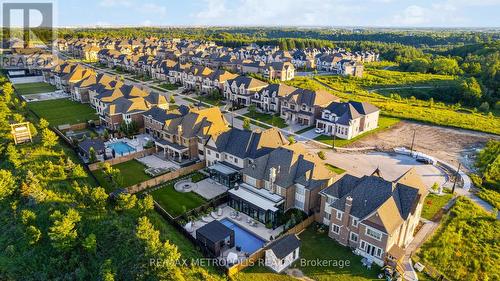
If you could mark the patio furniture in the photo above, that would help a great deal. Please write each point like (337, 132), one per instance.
(249, 220)
(232, 258)
(219, 212)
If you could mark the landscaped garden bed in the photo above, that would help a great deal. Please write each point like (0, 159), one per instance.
(270, 119)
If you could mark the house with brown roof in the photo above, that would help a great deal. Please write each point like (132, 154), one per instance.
(303, 106)
(282, 71)
(241, 89)
(374, 216)
(183, 138)
(287, 177)
(268, 99)
(348, 119)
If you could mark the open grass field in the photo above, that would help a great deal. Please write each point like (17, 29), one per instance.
(317, 245)
(433, 203)
(63, 111)
(34, 88)
(268, 119)
(383, 123)
(410, 109)
(176, 203)
(465, 247)
(132, 172)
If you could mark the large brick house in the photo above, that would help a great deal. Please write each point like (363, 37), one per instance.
(269, 98)
(241, 89)
(304, 106)
(374, 216)
(288, 177)
(183, 138)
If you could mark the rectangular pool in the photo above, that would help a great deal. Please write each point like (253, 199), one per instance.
(247, 241)
(121, 148)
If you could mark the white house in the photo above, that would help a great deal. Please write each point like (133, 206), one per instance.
(283, 252)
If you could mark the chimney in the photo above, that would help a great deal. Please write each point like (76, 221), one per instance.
(348, 205)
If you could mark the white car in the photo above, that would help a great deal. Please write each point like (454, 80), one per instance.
(319, 131)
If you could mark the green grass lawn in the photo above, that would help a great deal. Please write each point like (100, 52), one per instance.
(176, 203)
(314, 246)
(34, 88)
(383, 123)
(335, 169)
(168, 86)
(267, 118)
(63, 111)
(305, 130)
(132, 173)
(254, 122)
(433, 203)
(143, 78)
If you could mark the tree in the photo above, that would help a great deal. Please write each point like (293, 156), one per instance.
(49, 138)
(78, 172)
(63, 232)
(291, 139)
(90, 243)
(484, 107)
(107, 272)
(252, 109)
(421, 65)
(172, 99)
(146, 204)
(246, 124)
(447, 66)
(33, 234)
(7, 184)
(125, 202)
(33, 130)
(13, 156)
(321, 155)
(471, 91)
(43, 124)
(93, 156)
(7, 92)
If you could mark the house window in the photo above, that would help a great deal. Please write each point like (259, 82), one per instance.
(363, 245)
(209, 152)
(235, 160)
(217, 155)
(354, 237)
(331, 200)
(355, 222)
(327, 216)
(339, 215)
(335, 229)
(374, 234)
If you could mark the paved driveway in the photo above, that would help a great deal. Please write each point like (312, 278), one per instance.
(391, 165)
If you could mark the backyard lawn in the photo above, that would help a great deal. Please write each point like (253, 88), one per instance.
(63, 111)
(267, 118)
(383, 123)
(132, 172)
(34, 88)
(315, 246)
(433, 203)
(176, 203)
(168, 86)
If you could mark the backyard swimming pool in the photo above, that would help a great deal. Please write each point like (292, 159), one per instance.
(247, 241)
(121, 148)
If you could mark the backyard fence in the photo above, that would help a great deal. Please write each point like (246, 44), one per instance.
(250, 261)
(165, 177)
(213, 203)
(301, 225)
(118, 160)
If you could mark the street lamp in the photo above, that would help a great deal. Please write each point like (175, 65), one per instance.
(334, 132)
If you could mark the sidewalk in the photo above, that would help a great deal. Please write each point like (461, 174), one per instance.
(427, 229)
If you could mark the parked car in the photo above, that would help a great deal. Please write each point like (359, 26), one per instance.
(319, 131)
(425, 160)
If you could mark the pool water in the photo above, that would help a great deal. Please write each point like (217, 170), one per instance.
(121, 147)
(247, 241)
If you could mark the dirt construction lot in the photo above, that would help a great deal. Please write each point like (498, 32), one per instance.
(447, 144)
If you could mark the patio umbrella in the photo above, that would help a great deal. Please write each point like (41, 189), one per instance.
(232, 257)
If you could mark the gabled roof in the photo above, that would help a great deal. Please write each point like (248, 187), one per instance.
(311, 98)
(382, 204)
(347, 111)
(293, 164)
(284, 245)
(281, 90)
(198, 123)
(247, 82)
(247, 144)
(161, 115)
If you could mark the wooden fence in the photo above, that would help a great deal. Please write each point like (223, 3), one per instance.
(251, 260)
(165, 177)
(125, 158)
(301, 225)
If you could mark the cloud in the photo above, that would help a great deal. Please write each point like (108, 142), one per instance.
(115, 3)
(214, 9)
(151, 8)
(411, 15)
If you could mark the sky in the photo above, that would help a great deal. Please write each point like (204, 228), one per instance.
(369, 13)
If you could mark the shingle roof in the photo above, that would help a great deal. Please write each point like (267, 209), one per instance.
(247, 144)
(284, 245)
(214, 231)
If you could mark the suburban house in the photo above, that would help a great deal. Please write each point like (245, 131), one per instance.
(304, 106)
(348, 119)
(241, 89)
(288, 177)
(282, 71)
(216, 81)
(183, 139)
(80, 89)
(350, 67)
(269, 98)
(226, 153)
(374, 216)
(281, 253)
(155, 118)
